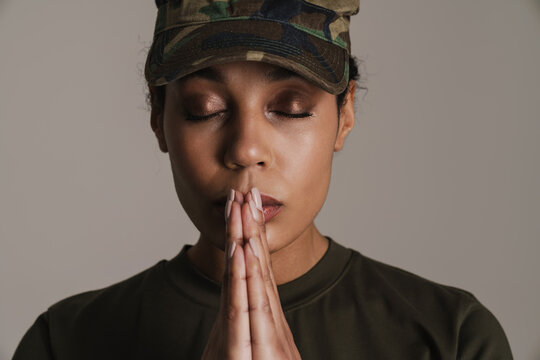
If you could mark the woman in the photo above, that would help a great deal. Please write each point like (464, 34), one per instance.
(251, 99)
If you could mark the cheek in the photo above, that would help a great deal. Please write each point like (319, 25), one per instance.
(312, 159)
(191, 155)
(308, 158)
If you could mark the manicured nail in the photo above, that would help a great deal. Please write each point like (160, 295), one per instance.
(257, 196)
(254, 247)
(228, 208)
(231, 250)
(231, 195)
(254, 210)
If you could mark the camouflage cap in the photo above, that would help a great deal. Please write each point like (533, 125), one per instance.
(309, 37)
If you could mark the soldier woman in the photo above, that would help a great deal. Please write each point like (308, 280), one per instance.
(251, 99)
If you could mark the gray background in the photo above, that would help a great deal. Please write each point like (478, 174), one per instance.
(440, 175)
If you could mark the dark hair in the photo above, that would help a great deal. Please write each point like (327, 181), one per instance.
(354, 74)
(156, 94)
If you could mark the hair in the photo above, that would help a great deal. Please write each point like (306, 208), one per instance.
(156, 94)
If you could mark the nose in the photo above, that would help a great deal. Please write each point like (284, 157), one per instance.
(247, 142)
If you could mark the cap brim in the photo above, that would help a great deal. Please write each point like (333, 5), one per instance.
(180, 51)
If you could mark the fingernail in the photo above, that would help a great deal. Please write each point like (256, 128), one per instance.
(231, 250)
(228, 208)
(254, 247)
(231, 195)
(254, 210)
(257, 196)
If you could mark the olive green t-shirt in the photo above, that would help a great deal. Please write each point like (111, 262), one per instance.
(347, 306)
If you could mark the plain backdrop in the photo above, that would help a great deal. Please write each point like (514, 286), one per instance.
(440, 176)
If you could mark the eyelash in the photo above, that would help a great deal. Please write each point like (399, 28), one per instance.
(293, 116)
(195, 118)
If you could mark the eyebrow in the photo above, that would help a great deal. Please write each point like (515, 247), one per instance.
(273, 75)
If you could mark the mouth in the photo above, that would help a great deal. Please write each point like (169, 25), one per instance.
(271, 207)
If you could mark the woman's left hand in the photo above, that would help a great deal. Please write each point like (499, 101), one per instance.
(270, 334)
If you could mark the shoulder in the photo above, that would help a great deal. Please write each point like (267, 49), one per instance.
(103, 314)
(418, 292)
(447, 313)
(90, 321)
(111, 296)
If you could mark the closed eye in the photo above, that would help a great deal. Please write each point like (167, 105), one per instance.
(293, 115)
(195, 118)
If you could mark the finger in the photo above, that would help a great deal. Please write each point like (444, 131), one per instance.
(233, 235)
(234, 222)
(251, 220)
(256, 196)
(239, 198)
(235, 306)
(258, 217)
(259, 238)
(264, 339)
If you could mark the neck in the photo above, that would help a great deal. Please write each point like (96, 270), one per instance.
(288, 263)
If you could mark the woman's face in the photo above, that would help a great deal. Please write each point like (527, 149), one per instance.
(250, 124)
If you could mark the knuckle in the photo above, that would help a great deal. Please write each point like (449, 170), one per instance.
(267, 279)
(238, 277)
(253, 342)
(231, 234)
(231, 313)
(264, 307)
(234, 312)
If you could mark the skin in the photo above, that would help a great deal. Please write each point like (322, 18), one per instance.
(250, 323)
(257, 126)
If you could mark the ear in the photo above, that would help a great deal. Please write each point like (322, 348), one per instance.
(346, 118)
(156, 122)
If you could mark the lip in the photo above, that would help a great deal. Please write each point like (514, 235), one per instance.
(270, 211)
(271, 207)
(267, 200)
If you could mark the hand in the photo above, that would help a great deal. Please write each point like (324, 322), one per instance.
(250, 322)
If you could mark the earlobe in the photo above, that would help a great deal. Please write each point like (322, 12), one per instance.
(346, 122)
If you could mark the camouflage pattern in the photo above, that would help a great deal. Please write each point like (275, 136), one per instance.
(309, 37)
